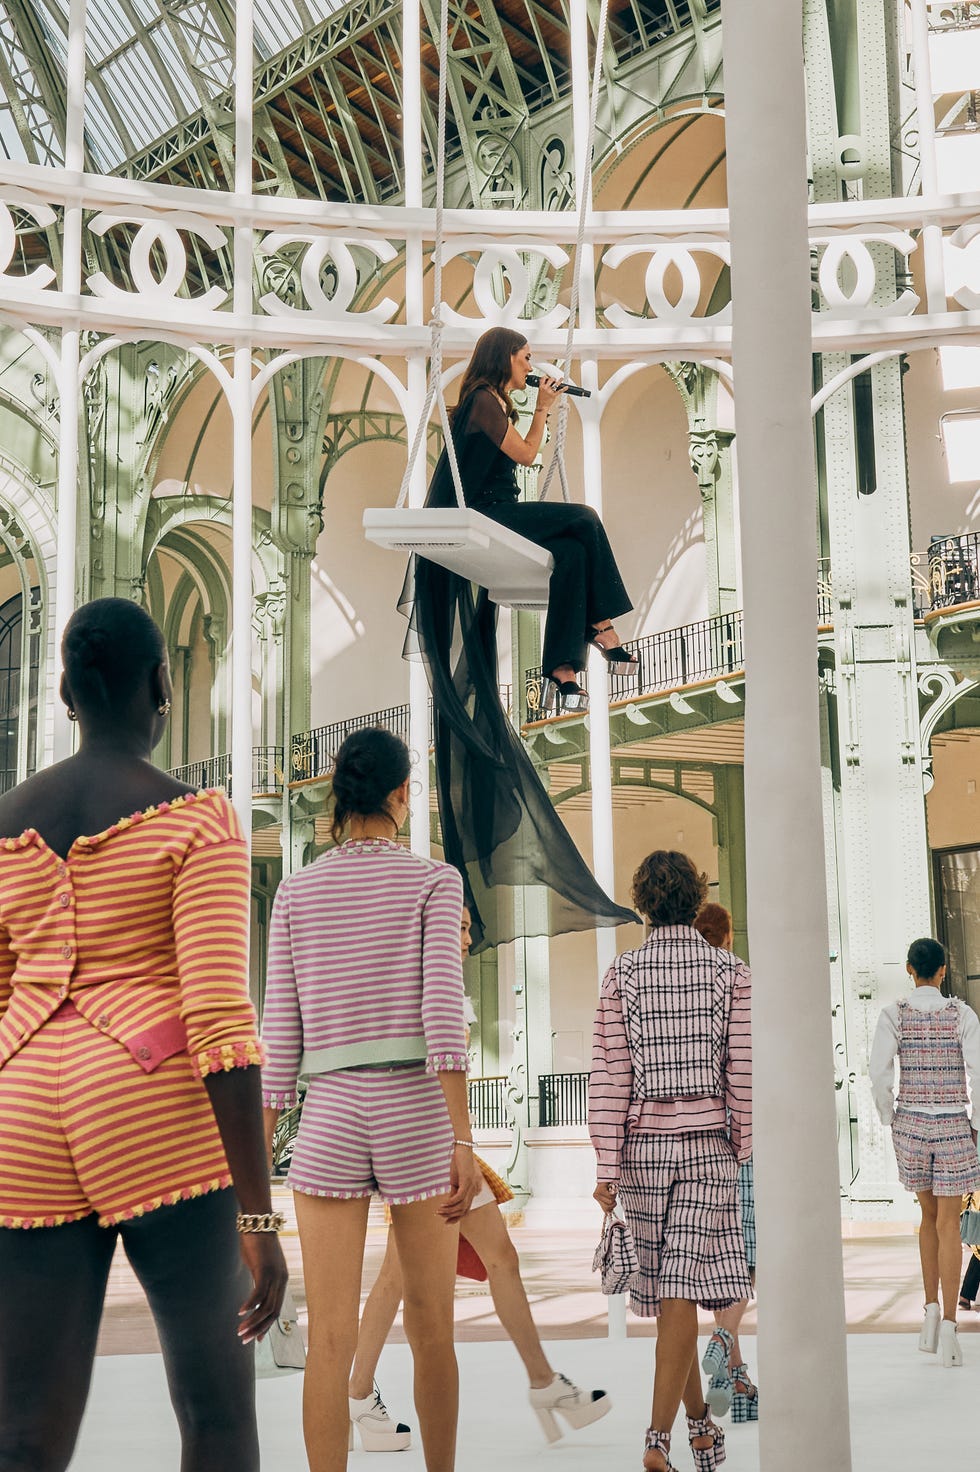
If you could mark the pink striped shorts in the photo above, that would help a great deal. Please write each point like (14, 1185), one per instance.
(374, 1131)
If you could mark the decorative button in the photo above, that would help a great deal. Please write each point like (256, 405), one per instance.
(64, 900)
(143, 1053)
(66, 951)
(103, 1022)
(63, 870)
(62, 992)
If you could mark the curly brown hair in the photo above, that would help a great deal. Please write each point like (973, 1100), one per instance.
(668, 889)
(714, 922)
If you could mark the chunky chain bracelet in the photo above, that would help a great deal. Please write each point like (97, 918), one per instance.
(269, 1221)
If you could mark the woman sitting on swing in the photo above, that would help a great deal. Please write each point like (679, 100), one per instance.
(586, 591)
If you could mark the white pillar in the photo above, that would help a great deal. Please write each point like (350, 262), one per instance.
(241, 410)
(801, 1314)
(418, 685)
(600, 765)
(68, 385)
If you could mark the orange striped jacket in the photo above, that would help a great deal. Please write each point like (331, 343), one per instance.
(144, 926)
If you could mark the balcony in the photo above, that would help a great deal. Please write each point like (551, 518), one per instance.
(215, 771)
(706, 650)
(954, 570)
(312, 753)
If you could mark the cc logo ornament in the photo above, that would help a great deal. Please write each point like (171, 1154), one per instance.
(321, 249)
(163, 235)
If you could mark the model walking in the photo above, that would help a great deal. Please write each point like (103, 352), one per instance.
(365, 998)
(551, 1394)
(670, 1117)
(129, 1099)
(936, 1040)
(730, 1385)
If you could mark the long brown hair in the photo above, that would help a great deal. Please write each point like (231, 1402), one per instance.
(489, 366)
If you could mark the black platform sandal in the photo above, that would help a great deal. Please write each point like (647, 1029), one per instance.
(563, 697)
(619, 660)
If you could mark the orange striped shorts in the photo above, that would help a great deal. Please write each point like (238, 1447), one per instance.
(83, 1129)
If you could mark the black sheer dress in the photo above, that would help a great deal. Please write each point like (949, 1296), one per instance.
(499, 826)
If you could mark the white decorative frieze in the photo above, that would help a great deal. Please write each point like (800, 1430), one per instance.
(330, 256)
(664, 254)
(499, 263)
(160, 237)
(847, 274)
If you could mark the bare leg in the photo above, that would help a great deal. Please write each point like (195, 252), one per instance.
(677, 1376)
(427, 1248)
(950, 1251)
(929, 1247)
(331, 1234)
(377, 1317)
(486, 1231)
(731, 1319)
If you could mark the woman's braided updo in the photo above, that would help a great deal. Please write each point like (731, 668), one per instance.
(368, 767)
(109, 646)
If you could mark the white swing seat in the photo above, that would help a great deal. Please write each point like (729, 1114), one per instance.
(514, 571)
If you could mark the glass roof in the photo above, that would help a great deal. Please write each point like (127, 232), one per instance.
(152, 64)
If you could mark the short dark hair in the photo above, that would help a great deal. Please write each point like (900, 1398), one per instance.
(714, 922)
(668, 889)
(108, 647)
(925, 957)
(368, 767)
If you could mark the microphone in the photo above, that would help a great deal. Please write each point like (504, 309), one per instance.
(572, 389)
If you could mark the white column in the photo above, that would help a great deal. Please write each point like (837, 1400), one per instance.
(925, 107)
(418, 685)
(241, 410)
(600, 765)
(68, 384)
(797, 1190)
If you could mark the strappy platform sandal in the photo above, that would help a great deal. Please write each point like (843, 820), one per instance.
(619, 660)
(706, 1458)
(563, 697)
(745, 1400)
(715, 1363)
(658, 1441)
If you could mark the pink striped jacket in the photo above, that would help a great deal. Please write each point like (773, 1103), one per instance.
(364, 966)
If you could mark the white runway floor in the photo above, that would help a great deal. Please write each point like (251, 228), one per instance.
(906, 1412)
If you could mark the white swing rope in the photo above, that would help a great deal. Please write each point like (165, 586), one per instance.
(434, 388)
(585, 195)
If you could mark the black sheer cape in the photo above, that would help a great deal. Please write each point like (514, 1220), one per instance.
(499, 827)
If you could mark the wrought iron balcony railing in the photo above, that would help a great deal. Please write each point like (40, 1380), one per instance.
(312, 753)
(563, 1098)
(954, 570)
(215, 771)
(488, 1102)
(706, 650)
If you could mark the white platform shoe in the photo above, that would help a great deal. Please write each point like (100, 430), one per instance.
(949, 1345)
(929, 1333)
(378, 1432)
(561, 1398)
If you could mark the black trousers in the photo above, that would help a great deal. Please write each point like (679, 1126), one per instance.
(52, 1287)
(586, 587)
(971, 1279)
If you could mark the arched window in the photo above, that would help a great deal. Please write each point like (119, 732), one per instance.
(11, 651)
